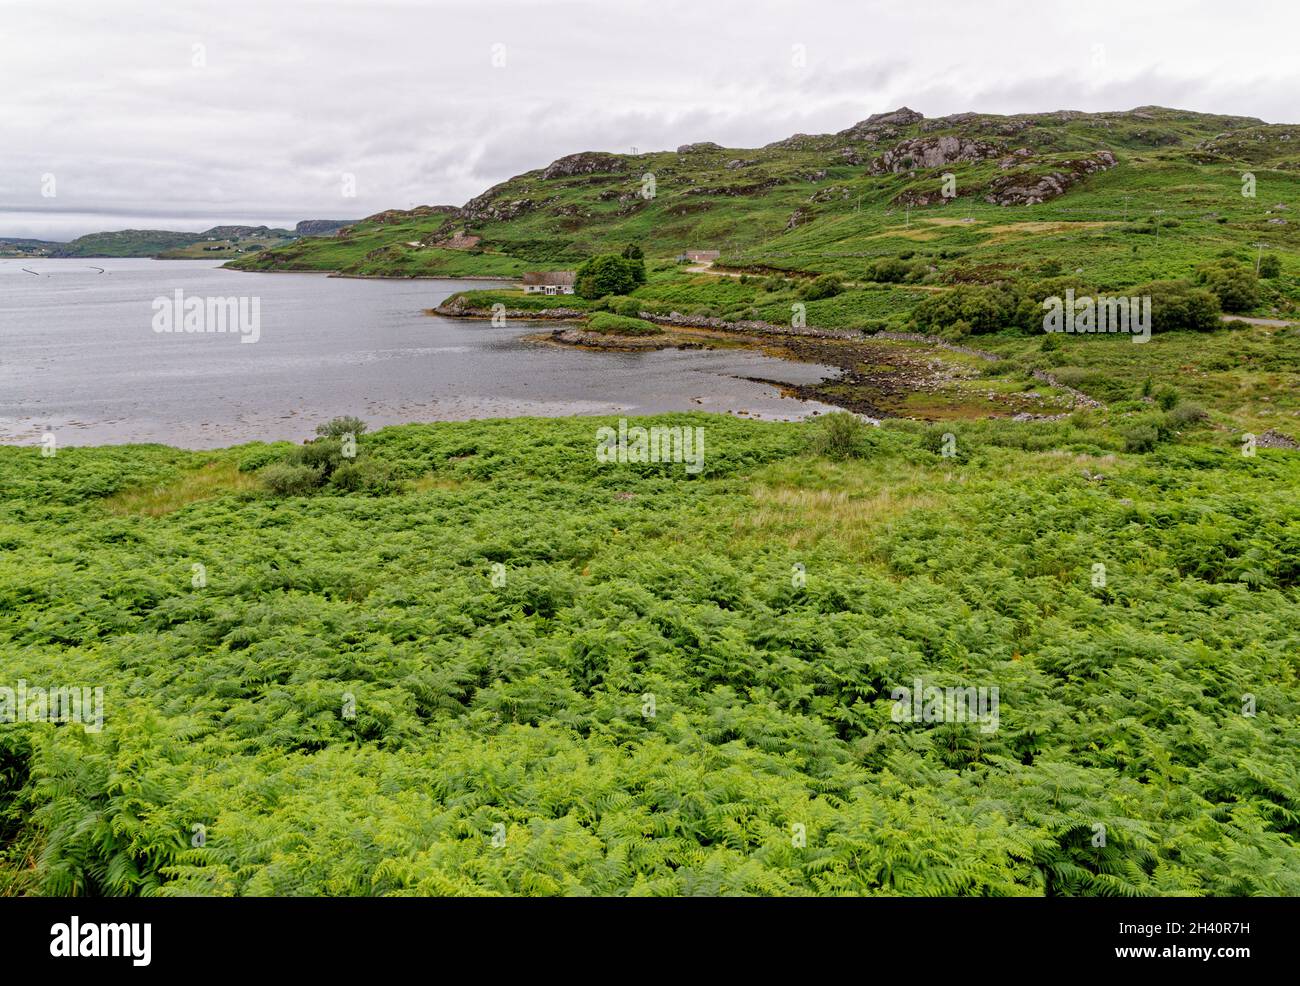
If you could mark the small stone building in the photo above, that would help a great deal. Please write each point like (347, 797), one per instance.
(702, 256)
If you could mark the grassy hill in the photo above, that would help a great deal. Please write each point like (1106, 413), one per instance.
(839, 202)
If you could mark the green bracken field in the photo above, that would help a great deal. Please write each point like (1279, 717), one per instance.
(500, 741)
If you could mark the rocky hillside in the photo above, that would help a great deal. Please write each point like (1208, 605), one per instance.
(757, 204)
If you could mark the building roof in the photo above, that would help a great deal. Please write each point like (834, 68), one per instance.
(560, 278)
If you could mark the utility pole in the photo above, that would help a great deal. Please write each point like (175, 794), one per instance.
(908, 221)
(1126, 198)
(1259, 256)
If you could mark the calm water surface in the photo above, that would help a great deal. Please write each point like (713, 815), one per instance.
(79, 357)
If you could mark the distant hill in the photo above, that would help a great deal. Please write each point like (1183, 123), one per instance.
(168, 244)
(125, 243)
(13, 246)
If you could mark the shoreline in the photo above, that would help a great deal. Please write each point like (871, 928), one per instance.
(371, 277)
(876, 377)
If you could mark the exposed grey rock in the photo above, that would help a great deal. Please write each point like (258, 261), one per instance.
(902, 117)
(932, 152)
(1275, 439)
(584, 163)
(1014, 158)
(797, 218)
(1027, 188)
(881, 125)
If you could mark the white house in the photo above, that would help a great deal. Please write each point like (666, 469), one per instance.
(549, 282)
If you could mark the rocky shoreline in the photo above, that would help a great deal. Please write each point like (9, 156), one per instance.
(874, 376)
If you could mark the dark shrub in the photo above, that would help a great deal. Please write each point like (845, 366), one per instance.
(843, 436)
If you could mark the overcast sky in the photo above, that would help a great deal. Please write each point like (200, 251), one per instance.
(171, 115)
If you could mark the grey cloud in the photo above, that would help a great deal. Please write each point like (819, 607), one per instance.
(404, 95)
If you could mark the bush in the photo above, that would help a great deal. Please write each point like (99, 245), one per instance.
(621, 325)
(826, 286)
(1184, 415)
(887, 270)
(325, 454)
(1166, 397)
(843, 436)
(338, 427)
(364, 476)
(1140, 437)
(1270, 266)
(1235, 285)
(1177, 305)
(983, 308)
(308, 467)
(285, 479)
(627, 307)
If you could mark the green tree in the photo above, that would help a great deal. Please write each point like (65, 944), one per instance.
(608, 273)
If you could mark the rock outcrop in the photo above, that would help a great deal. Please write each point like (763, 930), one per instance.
(1029, 188)
(322, 227)
(881, 125)
(932, 152)
(584, 163)
(1275, 439)
(491, 206)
